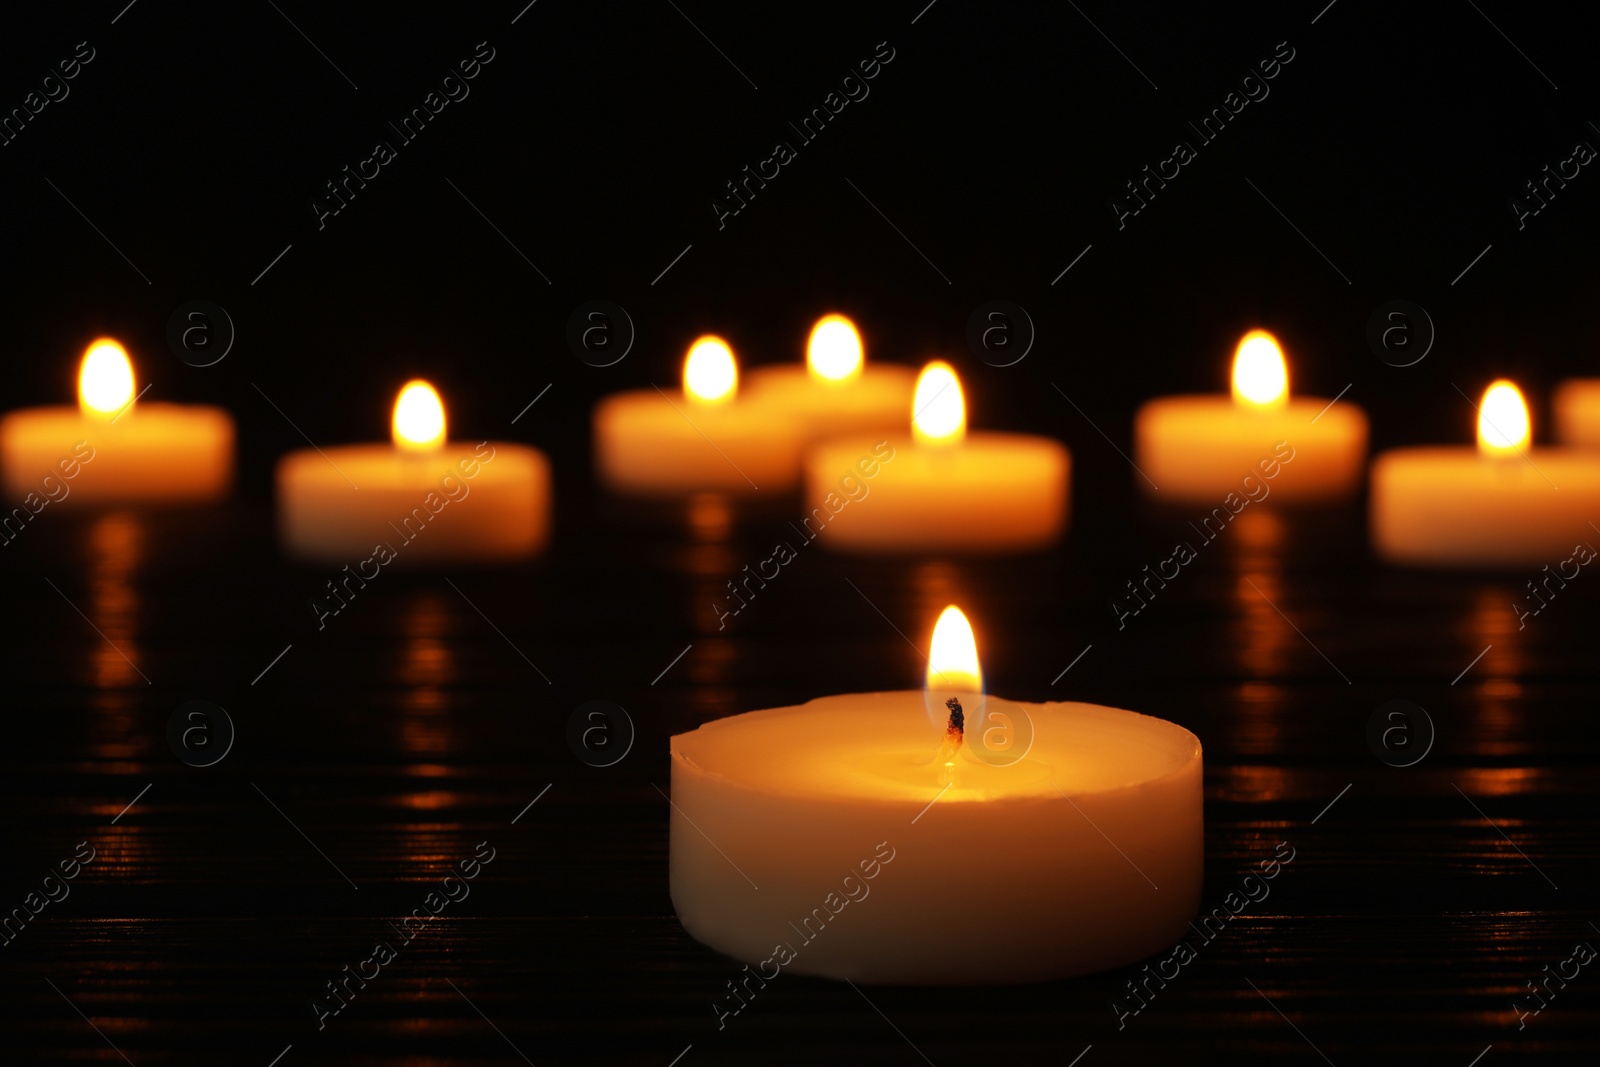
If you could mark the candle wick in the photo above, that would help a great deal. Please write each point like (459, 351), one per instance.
(958, 722)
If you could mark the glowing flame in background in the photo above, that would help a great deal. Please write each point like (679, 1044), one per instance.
(833, 352)
(710, 374)
(1503, 426)
(938, 410)
(418, 424)
(1260, 376)
(105, 379)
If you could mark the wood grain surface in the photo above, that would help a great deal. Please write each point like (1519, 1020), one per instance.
(379, 750)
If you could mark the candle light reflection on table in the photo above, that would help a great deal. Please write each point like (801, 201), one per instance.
(116, 543)
(1262, 637)
(1495, 720)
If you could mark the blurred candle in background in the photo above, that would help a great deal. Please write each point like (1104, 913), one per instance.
(837, 392)
(940, 489)
(1503, 503)
(420, 499)
(1577, 411)
(648, 442)
(1197, 449)
(111, 449)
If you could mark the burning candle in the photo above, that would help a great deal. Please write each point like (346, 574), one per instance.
(421, 499)
(1577, 410)
(111, 449)
(836, 394)
(1197, 449)
(976, 840)
(649, 443)
(945, 489)
(1504, 503)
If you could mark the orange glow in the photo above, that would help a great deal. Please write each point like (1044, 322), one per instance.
(1260, 376)
(418, 424)
(833, 353)
(105, 379)
(938, 410)
(116, 552)
(1503, 426)
(710, 373)
(710, 518)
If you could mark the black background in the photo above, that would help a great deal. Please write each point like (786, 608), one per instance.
(596, 141)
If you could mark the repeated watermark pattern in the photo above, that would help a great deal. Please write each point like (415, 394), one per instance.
(600, 333)
(339, 987)
(54, 487)
(600, 733)
(1252, 88)
(1543, 593)
(1253, 489)
(1252, 889)
(53, 888)
(453, 488)
(851, 88)
(200, 733)
(852, 488)
(52, 89)
(200, 333)
(1400, 333)
(1550, 982)
(338, 191)
(1400, 733)
(853, 889)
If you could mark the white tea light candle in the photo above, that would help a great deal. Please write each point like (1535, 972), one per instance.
(837, 392)
(1194, 449)
(409, 500)
(1083, 852)
(1503, 503)
(1577, 411)
(143, 453)
(948, 489)
(648, 442)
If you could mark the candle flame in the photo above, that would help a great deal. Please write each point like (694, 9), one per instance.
(1503, 425)
(953, 694)
(710, 373)
(938, 411)
(1260, 377)
(105, 379)
(418, 424)
(953, 654)
(833, 353)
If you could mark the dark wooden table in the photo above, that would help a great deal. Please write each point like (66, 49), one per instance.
(426, 717)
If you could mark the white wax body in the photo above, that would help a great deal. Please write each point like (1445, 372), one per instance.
(1007, 877)
(651, 443)
(1577, 411)
(451, 505)
(877, 401)
(989, 493)
(1198, 449)
(1453, 507)
(153, 453)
